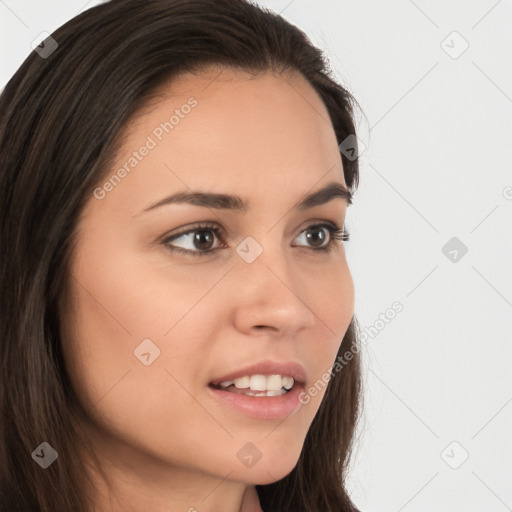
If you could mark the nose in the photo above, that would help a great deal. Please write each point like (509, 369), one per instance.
(270, 298)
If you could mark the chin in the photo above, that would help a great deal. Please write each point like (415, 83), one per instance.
(268, 471)
(265, 478)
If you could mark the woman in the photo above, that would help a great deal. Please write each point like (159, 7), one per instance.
(177, 308)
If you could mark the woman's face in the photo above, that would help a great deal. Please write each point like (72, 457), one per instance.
(153, 318)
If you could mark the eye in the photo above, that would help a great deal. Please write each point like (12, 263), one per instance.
(317, 239)
(197, 241)
(200, 240)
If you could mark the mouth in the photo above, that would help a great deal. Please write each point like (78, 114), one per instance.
(266, 390)
(257, 385)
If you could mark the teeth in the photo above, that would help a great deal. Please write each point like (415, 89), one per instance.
(258, 383)
(270, 383)
(266, 393)
(274, 382)
(287, 382)
(242, 382)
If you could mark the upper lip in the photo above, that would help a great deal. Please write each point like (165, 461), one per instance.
(289, 368)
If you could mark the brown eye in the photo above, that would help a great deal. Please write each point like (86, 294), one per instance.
(197, 241)
(317, 239)
(203, 240)
(316, 236)
(200, 240)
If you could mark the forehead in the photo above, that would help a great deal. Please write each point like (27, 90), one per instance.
(225, 130)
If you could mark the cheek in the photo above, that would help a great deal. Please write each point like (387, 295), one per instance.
(332, 303)
(330, 296)
(119, 309)
(124, 313)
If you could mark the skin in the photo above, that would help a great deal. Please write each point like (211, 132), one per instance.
(164, 442)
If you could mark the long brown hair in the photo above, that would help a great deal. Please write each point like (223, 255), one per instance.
(60, 115)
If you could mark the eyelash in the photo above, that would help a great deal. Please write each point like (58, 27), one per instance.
(336, 234)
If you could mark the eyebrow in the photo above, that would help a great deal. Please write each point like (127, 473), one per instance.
(229, 202)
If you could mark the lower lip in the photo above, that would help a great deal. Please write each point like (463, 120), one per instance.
(261, 407)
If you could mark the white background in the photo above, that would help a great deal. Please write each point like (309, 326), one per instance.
(437, 165)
